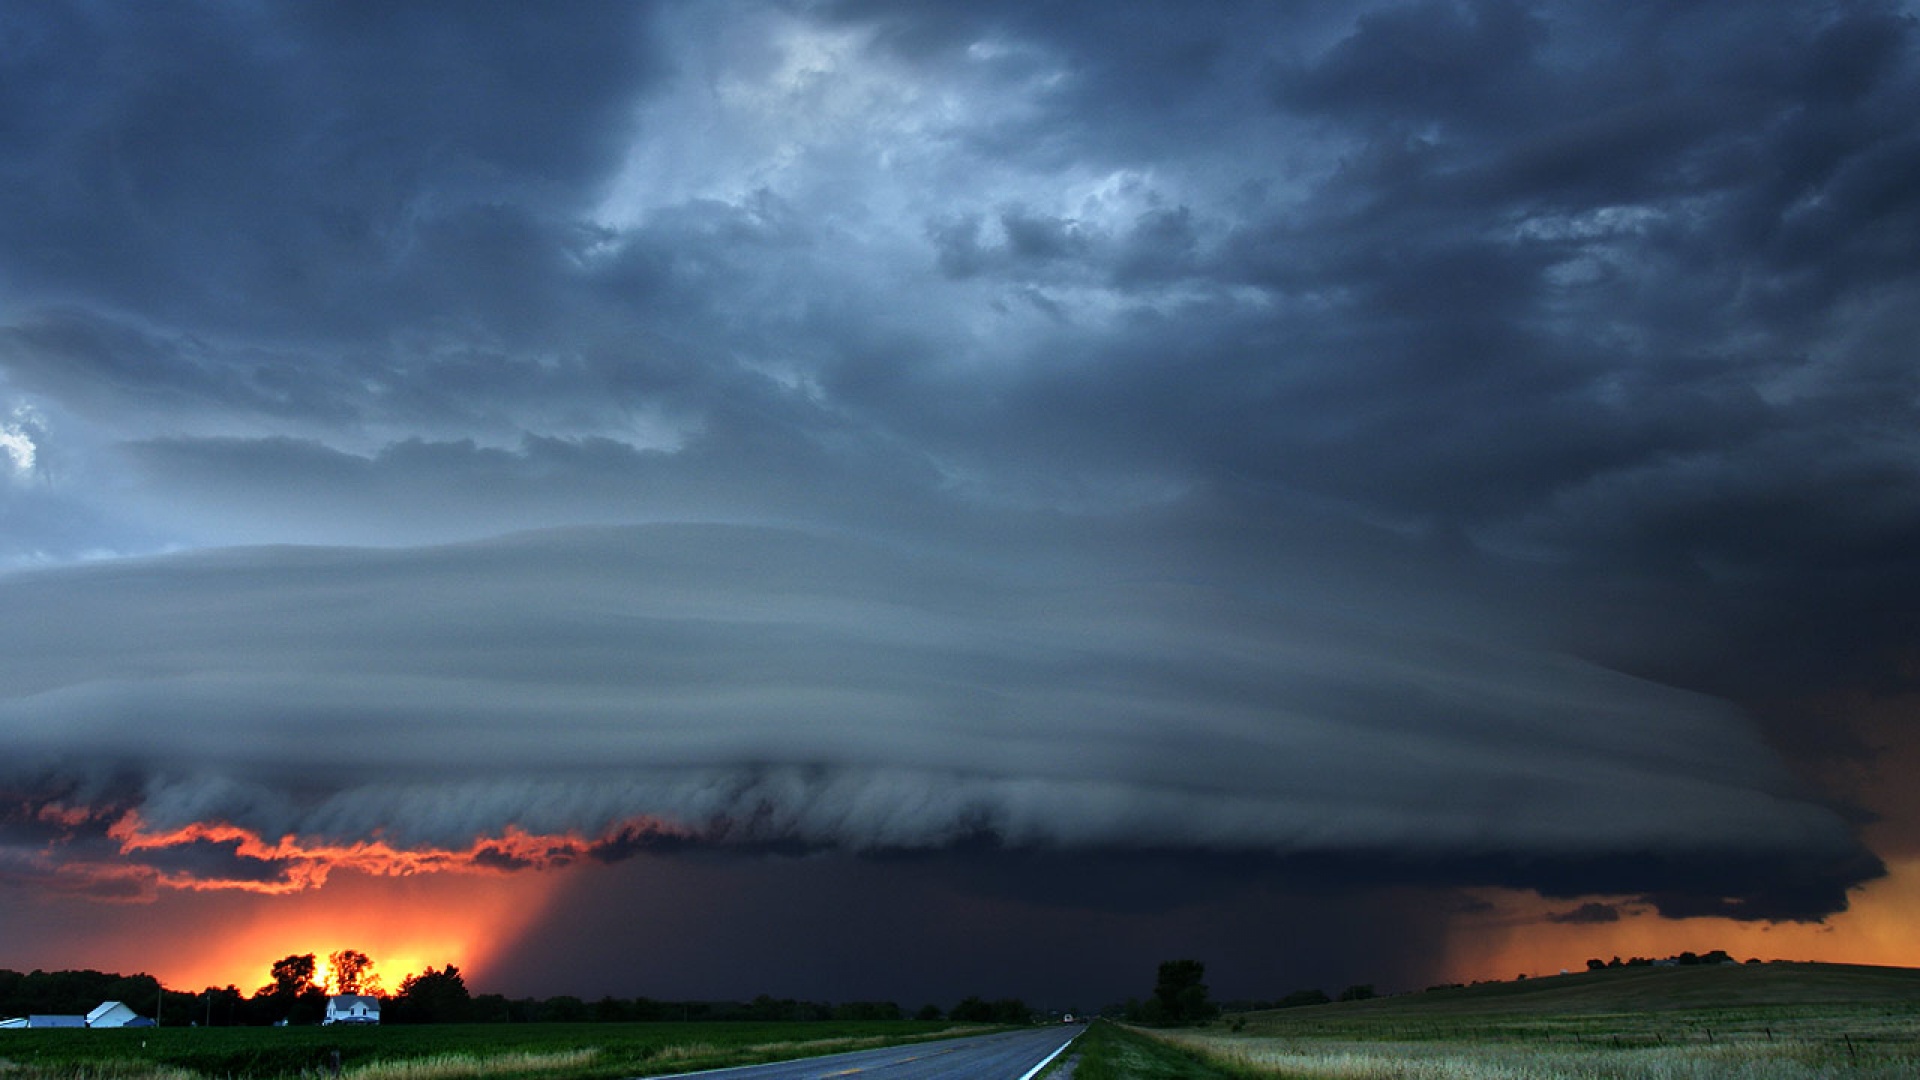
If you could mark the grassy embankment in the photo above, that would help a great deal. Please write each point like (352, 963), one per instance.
(1755, 1022)
(437, 1052)
(1107, 1051)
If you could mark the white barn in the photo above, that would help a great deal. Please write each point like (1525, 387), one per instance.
(112, 1014)
(352, 1009)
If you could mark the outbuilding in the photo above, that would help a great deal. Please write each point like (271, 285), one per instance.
(112, 1014)
(352, 1009)
(46, 1020)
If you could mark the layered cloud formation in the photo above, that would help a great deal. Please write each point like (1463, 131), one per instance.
(1455, 443)
(729, 685)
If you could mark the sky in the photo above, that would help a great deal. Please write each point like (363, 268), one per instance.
(862, 501)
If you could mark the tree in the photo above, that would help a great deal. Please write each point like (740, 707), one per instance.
(1361, 992)
(1179, 996)
(353, 972)
(291, 996)
(291, 975)
(972, 1010)
(1011, 1011)
(434, 997)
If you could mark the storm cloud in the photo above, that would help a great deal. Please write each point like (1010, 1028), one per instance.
(736, 685)
(1416, 444)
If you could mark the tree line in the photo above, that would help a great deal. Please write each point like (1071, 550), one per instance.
(1685, 959)
(296, 994)
(1180, 998)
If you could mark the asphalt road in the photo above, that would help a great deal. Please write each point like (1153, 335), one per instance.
(1011, 1055)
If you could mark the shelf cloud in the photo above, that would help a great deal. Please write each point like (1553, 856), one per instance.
(1447, 446)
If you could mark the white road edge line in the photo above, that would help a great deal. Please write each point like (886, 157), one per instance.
(1031, 1073)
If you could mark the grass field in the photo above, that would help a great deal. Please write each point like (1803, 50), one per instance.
(1107, 1051)
(1756, 1022)
(436, 1052)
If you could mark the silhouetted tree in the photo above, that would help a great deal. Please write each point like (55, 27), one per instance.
(222, 1007)
(353, 972)
(972, 1010)
(1357, 992)
(1011, 1011)
(433, 997)
(928, 1011)
(292, 996)
(291, 975)
(1179, 995)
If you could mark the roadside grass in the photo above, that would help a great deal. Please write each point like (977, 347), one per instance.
(440, 1052)
(453, 1066)
(1107, 1051)
(1331, 1059)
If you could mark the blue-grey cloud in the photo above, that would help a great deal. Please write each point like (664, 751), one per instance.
(746, 686)
(1462, 415)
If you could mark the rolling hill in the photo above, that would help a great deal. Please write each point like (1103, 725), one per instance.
(1641, 989)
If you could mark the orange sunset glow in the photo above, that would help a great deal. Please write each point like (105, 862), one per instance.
(307, 864)
(1515, 937)
(406, 924)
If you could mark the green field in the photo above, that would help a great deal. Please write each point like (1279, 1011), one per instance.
(1763, 1021)
(437, 1052)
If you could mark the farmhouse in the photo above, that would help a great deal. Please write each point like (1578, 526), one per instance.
(352, 1009)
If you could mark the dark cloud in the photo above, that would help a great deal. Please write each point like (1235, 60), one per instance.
(1447, 443)
(1591, 912)
(279, 170)
(756, 688)
(674, 927)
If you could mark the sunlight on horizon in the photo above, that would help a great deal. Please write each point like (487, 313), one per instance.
(405, 925)
(1515, 936)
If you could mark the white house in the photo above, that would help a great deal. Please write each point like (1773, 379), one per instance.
(112, 1014)
(352, 1009)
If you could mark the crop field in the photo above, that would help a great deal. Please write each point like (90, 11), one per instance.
(437, 1052)
(1762, 1022)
